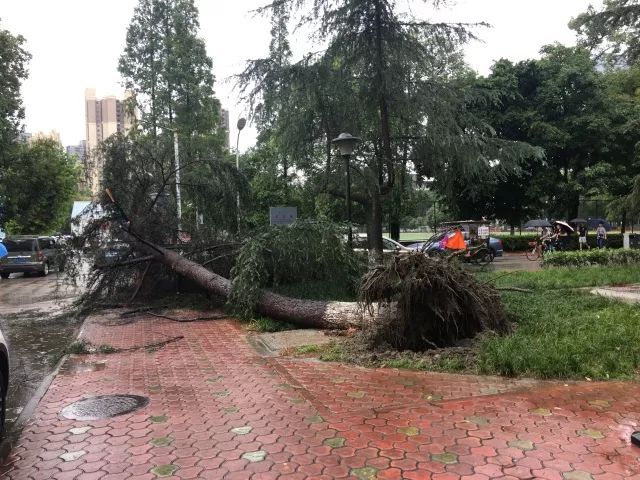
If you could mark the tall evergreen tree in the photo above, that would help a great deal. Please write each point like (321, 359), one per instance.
(391, 79)
(166, 66)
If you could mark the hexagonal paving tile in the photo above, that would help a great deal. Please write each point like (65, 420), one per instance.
(522, 444)
(545, 412)
(164, 470)
(365, 473)
(481, 421)
(161, 441)
(71, 456)
(358, 394)
(577, 475)
(256, 456)
(335, 442)
(158, 419)
(222, 393)
(315, 419)
(241, 430)
(409, 431)
(446, 458)
(591, 433)
(78, 430)
(432, 397)
(230, 409)
(600, 403)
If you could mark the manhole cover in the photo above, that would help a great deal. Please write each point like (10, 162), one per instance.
(104, 406)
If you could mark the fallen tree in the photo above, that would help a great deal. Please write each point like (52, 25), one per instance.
(305, 313)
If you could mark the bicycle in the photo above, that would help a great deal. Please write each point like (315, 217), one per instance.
(538, 250)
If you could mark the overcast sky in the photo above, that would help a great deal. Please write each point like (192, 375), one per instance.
(76, 44)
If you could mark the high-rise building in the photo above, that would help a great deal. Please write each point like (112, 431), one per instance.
(51, 135)
(104, 117)
(78, 151)
(224, 117)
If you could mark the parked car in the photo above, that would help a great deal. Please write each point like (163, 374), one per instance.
(4, 381)
(388, 245)
(495, 244)
(112, 252)
(30, 254)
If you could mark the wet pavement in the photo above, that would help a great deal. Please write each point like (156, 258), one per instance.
(37, 331)
(219, 410)
(512, 261)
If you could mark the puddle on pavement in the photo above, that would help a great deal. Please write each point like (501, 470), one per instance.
(36, 343)
(75, 365)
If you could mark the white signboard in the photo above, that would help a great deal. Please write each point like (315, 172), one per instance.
(282, 215)
(483, 232)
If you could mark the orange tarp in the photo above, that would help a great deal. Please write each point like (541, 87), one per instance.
(456, 241)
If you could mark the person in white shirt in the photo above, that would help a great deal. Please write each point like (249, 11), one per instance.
(601, 235)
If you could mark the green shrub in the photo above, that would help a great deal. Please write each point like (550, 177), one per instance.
(520, 243)
(592, 257)
(516, 243)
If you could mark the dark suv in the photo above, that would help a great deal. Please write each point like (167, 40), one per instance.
(30, 254)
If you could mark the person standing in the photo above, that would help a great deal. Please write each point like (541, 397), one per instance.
(582, 236)
(601, 235)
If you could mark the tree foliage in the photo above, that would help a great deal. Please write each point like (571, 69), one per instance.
(396, 81)
(13, 71)
(613, 32)
(166, 66)
(39, 186)
(563, 104)
(306, 251)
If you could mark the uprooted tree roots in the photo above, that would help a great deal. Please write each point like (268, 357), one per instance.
(436, 304)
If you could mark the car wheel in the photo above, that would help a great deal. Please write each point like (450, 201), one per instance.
(4, 275)
(3, 405)
(45, 269)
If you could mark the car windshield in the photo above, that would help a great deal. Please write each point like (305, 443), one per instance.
(20, 245)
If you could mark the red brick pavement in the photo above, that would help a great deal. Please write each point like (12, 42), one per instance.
(218, 410)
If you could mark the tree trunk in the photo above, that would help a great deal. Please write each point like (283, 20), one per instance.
(305, 313)
(374, 230)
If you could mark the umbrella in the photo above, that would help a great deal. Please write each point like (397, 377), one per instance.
(3, 250)
(593, 223)
(578, 220)
(564, 225)
(540, 222)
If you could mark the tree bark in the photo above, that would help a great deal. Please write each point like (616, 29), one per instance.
(305, 313)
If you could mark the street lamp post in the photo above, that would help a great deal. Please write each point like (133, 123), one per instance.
(242, 122)
(346, 143)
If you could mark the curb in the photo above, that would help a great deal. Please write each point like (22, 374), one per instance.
(9, 442)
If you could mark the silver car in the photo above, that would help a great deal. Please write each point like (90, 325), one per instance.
(30, 254)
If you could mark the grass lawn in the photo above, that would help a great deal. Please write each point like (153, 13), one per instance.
(565, 334)
(565, 278)
(561, 331)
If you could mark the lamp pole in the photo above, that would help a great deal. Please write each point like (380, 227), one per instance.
(242, 122)
(346, 143)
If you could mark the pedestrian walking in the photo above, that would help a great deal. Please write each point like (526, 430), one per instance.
(601, 235)
(582, 237)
